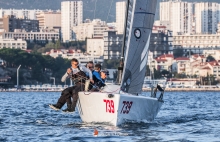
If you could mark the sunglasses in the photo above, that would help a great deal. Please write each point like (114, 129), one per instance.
(91, 67)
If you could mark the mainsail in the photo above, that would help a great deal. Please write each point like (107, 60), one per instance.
(139, 26)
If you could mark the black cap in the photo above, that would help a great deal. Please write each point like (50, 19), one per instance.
(105, 71)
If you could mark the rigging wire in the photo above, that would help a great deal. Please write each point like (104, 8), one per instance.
(95, 9)
(109, 11)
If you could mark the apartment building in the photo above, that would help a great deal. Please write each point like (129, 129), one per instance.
(160, 41)
(197, 65)
(181, 65)
(179, 14)
(71, 15)
(163, 62)
(198, 41)
(49, 19)
(42, 36)
(13, 44)
(95, 46)
(83, 58)
(20, 13)
(207, 17)
(120, 16)
(112, 45)
(90, 29)
(10, 23)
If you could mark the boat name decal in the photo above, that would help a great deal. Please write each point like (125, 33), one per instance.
(109, 106)
(126, 107)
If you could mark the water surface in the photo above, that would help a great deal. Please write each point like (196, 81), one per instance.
(185, 116)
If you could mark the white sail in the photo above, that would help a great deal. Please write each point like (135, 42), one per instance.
(140, 18)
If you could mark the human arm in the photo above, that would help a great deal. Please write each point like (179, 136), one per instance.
(86, 70)
(98, 77)
(66, 75)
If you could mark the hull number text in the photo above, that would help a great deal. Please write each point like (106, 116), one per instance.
(109, 106)
(126, 107)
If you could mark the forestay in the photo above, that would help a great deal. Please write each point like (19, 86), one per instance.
(139, 26)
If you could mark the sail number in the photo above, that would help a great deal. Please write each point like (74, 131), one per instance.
(109, 106)
(126, 107)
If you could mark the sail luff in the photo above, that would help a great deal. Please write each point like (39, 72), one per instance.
(140, 27)
(128, 42)
(125, 29)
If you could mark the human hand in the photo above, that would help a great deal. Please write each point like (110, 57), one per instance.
(68, 71)
(92, 81)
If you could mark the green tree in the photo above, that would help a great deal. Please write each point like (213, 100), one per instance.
(165, 73)
(147, 71)
(156, 74)
(58, 44)
(36, 63)
(111, 64)
(178, 52)
(53, 40)
(210, 58)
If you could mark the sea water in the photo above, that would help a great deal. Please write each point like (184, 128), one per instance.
(184, 116)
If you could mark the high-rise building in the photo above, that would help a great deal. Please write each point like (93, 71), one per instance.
(10, 23)
(49, 19)
(179, 14)
(120, 16)
(207, 17)
(71, 15)
(165, 12)
(20, 13)
(112, 45)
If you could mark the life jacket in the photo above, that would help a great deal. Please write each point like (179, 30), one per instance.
(79, 77)
(97, 82)
(94, 78)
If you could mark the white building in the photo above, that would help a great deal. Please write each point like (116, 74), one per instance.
(90, 29)
(198, 41)
(20, 13)
(49, 19)
(83, 58)
(13, 44)
(207, 17)
(43, 35)
(179, 14)
(165, 10)
(120, 16)
(95, 46)
(71, 15)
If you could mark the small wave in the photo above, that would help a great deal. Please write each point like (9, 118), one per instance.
(188, 118)
(41, 122)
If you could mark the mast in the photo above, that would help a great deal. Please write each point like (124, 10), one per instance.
(121, 64)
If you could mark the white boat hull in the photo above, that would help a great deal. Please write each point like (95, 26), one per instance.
(98, 107)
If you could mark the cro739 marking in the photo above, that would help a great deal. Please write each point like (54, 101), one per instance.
(126, 107)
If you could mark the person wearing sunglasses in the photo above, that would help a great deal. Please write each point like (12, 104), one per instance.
(98, 81)
(77, 73)
(90, 65)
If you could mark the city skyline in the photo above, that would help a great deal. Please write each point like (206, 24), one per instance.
(88, 8)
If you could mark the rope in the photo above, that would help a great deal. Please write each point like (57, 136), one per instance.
(85, 78)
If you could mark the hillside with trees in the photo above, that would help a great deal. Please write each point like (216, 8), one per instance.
(35, 68)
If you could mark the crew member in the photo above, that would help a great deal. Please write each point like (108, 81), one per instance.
(77, 73)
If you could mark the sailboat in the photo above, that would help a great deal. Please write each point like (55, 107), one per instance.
(116, 104)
